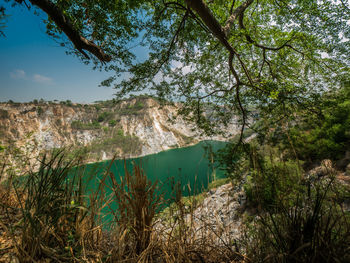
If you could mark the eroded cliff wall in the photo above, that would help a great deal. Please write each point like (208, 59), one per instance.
(129, 128)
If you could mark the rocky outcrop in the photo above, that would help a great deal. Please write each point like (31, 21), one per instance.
(218, 217)
(220, 214)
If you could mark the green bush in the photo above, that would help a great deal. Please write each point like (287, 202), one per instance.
(234, 160)
(97, 107)
(271, 182)
(132, 109)
(40, 111)
(4, 114)
(307, 227)
(127, 143)
(104, 116)
(112, 123)
(324, 137)
(79, 125)
(120, 132)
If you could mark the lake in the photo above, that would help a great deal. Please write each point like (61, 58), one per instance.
(191, 166)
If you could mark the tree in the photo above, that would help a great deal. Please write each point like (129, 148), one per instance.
(218, 56)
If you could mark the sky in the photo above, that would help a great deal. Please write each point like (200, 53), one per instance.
(34, 66)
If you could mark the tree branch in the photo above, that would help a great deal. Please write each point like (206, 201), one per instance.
(210, 21)
(238, 11)
(63, 22)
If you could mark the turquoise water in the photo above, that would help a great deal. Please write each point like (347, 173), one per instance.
(191, 166)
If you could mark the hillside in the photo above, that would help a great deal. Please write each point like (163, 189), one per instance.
(130, 128)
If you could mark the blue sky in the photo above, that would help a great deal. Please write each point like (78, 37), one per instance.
(34, 66)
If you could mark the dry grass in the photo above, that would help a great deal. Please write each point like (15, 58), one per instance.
(51, 216)
(48, 218)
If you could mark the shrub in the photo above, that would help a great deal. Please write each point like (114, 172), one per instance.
(132, 109)
(234, 160)
(4, 114)
(97, 107)
(104, 116)
(40, 111)
(326, 135)
(120, 132)
(127, 143)
(271, 181)
(79, 125)
(112, 123)
(309, 227)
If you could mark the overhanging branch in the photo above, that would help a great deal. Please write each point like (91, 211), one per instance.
(63, 22)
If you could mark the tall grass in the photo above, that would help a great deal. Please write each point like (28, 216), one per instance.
(59, 219)
(53, 208)
(309, 226)
(137, 202)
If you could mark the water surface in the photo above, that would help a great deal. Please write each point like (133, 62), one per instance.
(192, 167)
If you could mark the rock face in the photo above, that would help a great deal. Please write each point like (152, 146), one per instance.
(130, 128)
(220, 214)
(217, 218)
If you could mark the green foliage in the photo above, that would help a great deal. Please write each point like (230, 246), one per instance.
(127, 143)
(79, 125)
(107, 103)
(40, 111)
(105, 116)
(262, 172)
(186, 63)
(120, 132)
(72, 153)
(326, 137)
(132, 109)
(53, 205)
(3, 18)
(97, 107)
(234, 160)
(271, 181)
(308, 227)
(4, 114)
(112, 123)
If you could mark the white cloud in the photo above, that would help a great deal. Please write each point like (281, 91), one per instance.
(18, 74)
(185, 69)
(21, 74)
(42, 79)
